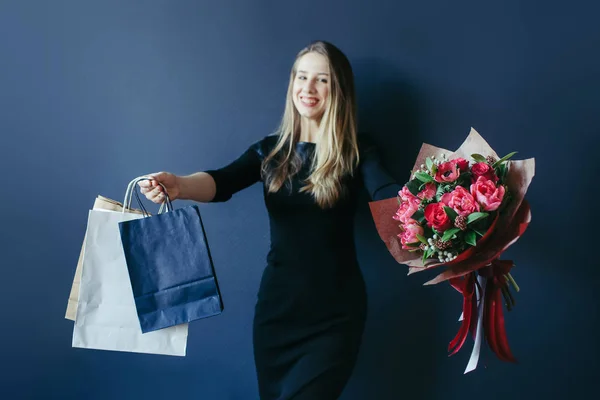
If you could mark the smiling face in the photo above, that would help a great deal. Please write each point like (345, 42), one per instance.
(311, 86)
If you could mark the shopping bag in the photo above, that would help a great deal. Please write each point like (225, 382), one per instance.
(170, 266)
(101, 203)
(106, 317)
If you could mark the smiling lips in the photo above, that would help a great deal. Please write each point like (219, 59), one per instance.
(309, 101)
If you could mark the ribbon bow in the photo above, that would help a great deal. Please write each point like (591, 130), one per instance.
(482, 313)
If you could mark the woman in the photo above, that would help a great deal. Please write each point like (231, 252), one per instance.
(311, 304)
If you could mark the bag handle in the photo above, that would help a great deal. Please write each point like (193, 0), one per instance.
(131, 190)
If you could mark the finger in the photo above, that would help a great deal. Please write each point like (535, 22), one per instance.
(158, 198)
(157, 177)
(156, 192)
(146, 186)
(147, 191)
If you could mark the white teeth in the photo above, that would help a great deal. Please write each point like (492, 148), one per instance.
(307, 101)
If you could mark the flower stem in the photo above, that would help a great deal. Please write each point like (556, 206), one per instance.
(508, 297)
(512, 299)
(513, 282)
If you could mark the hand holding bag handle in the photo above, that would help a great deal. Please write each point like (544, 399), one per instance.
(131, 190)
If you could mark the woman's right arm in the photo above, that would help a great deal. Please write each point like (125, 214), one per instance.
(199, 187)
(216, 185)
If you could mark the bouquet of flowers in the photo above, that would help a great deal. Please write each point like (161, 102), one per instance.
(463, 210)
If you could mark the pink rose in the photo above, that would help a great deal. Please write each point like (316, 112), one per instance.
(487, 194)
(447, 172)
(483, 169)
(406, 210)
(411, 229)
(461, 201)
(406, 195)
(436, 217)
(446, 197)
(462, 164)
(428, 192)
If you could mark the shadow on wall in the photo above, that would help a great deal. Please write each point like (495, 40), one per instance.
(388, 108)
(397, 358)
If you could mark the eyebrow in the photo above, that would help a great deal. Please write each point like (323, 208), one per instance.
(320, 73)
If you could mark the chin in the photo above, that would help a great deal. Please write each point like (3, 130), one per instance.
(310, 114)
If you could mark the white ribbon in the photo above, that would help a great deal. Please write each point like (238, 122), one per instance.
(480, 293)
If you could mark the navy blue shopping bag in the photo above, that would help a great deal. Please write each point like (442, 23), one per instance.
(170, 267)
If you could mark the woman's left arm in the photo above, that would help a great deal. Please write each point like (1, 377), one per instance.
(376, 179)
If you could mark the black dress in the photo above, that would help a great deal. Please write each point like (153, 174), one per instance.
(311, 304)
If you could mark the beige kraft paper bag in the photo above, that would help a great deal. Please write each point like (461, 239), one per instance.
(101, 203)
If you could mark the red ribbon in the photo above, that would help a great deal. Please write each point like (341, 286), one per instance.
(466, 286)
(493, 316)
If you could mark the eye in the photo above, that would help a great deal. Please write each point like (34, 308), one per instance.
(324, 80)
(301, 77)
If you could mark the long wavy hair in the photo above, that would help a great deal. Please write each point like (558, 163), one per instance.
(336, 154)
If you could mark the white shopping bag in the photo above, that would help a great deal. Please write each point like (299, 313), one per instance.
(106, 314)
(101, 203)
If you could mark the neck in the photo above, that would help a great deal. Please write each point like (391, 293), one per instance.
(309, 130)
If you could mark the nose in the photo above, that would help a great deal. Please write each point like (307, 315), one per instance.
(309, 87)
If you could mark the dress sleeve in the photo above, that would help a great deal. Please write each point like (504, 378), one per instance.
(238, 174)
(376, 179)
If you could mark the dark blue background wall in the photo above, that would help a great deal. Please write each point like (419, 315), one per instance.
(93, 94)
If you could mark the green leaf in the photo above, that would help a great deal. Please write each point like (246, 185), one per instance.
(451, 213)
(476, 216)
(423, 177)
(449, 233)
(477, 231)
(478, 157)
(418, 216)
(422, 238)
(425, 255)
(428, 253)
(429, 163)
(470, 237)
(413, 244)
(501, 171)
(464, 180)
(439, 192)
(413, 186)
(443, 189)
(506, 157)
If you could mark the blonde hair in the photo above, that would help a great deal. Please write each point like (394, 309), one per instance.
(336, 152)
